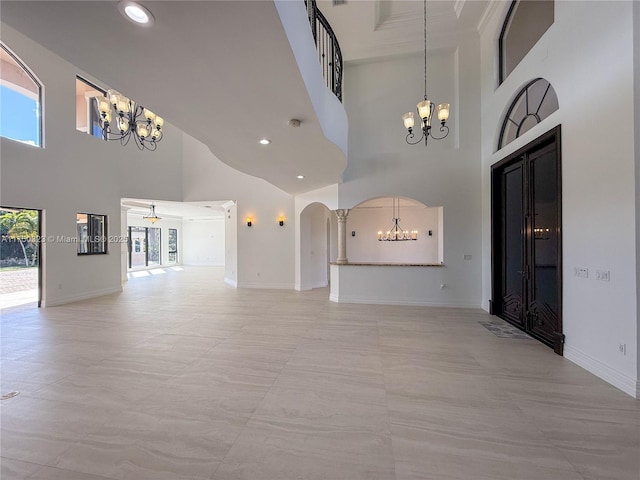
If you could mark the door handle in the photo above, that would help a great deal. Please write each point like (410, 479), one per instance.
(524, 273)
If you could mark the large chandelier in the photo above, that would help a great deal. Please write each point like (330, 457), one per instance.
(426, 107)
(131, 121)
(397, 233)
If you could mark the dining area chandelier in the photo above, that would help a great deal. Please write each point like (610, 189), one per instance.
(426, 107)
(122, 119)
(396, 233)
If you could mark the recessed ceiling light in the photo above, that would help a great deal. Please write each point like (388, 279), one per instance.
(136, 13)
(300, 177)
(265, 141)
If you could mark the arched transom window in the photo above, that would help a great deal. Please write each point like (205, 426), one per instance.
(535, 102)
(20, 101)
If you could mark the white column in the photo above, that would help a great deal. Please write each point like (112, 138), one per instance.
(342, 236)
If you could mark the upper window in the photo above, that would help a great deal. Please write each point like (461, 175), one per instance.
(526, 22)
(87, 113)
(20, 105)
(535, 102)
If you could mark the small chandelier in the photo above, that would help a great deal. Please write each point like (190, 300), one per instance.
(131, 121)
(397, 233)
(426, 107)
(151, 216)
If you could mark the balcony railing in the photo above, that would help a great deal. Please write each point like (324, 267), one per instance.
(328, 48)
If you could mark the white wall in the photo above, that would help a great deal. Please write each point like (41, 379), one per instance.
(446, 173)
(303, 280)
(367, 222)
(587, 51)
(231, 245)
(265, 251)
(203, 242)
(75, 172)
(319, 257)
(636, 89)
(393, 285)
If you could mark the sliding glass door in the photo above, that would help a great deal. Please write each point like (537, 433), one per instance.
(144, 247)
(153, 243)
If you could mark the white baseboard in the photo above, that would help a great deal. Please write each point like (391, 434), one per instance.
(231, 282)
(83, 296)
(400, 301)
(311, 286)
(267, 286)
(616, 378)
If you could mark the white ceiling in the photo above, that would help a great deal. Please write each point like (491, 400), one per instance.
(224, 72)
(183, 210)
(377, 28)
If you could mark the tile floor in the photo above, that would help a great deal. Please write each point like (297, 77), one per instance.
(183, 377)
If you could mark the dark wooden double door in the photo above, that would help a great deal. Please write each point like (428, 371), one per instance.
(526, 240)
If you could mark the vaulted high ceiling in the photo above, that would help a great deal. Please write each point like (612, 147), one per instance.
(378, 28)
(224, 71)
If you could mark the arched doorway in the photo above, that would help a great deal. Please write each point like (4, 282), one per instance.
(317, 244)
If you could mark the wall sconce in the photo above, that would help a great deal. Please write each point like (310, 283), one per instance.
(281, 221)
(249, 221)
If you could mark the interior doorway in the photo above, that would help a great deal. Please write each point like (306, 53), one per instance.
(20, 257)
(315, 246)
(144, 247)
(527, 240)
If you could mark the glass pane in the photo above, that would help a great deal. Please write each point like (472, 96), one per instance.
(173, 245)
(527, 124)
(510, 133)
(19, 231)
(154, 246)
(82, 229)
(513, 244)
(545, 230)
(19, 102)
(87, 114)
(528, 21)
(549, 104)
(97, 234)
(138, 252)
